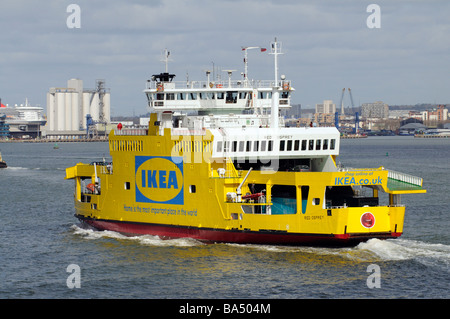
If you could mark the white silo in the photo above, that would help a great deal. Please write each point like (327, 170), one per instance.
(51, 111)
(60, 111)
(107, 107)
(94, 107)
(68, 111)
(75, 111)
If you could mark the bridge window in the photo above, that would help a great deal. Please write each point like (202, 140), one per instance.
(192, 96)
(270, 146)
(282, 145)
(311, 145)
(231, 97)
(296, 145)
(241, 146)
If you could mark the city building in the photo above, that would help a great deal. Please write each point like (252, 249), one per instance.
(438, 115)
(377, 109)
(326, 107)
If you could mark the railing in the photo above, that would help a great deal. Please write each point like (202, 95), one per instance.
(131, 131)
(402, 177)
(225, 84)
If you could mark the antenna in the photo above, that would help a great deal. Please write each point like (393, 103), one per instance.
(230, 72)
(276, 50)
(166, 59)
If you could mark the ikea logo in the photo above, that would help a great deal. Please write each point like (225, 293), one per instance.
(159, 179)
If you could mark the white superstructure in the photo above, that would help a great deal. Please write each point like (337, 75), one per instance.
(243, 116)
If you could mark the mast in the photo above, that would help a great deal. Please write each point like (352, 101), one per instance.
(276, 50)
(245, 49)
(166, 59)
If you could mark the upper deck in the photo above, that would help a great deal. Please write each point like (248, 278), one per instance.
(215, 96)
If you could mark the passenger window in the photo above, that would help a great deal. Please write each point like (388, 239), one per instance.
(304, 145)
(282, 145)
(256, 146)
(318, 145)
(289, 145)
(325, 144)
(241, 146)
(332, 144)
(263, 146)
(296, 145)
(311, 145)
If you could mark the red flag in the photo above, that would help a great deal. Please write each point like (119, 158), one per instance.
(3, 105)
(263, 49)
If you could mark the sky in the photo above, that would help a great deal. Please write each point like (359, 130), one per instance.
(327, 45)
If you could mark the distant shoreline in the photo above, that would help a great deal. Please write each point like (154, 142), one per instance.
(56, 141)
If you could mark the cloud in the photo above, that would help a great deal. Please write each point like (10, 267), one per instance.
(327, 46)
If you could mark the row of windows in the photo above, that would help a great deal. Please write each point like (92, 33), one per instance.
(310, 145)
(229, 96)
(117, 145)
(285, 145)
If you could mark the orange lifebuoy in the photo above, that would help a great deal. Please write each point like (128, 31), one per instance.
(286, 86)
(91, 187)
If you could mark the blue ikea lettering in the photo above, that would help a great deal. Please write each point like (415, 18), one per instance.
(362, 181)
(159, 179)
(149, 179)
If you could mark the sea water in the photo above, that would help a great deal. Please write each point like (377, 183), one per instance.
(43, 247)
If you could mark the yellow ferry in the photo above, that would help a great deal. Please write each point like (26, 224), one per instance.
(217, 164)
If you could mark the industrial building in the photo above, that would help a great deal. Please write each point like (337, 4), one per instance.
(68, 109)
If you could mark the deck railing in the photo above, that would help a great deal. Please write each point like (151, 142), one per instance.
(406, 178)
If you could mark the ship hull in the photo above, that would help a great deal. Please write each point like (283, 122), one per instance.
(212, 235)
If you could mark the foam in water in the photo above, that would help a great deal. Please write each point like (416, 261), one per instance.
(143, 240)
(403, 249)
(371, 251)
